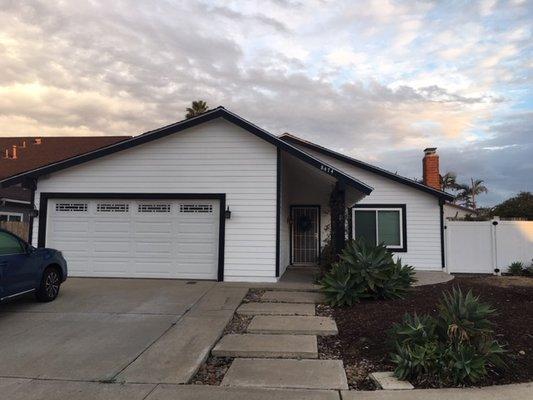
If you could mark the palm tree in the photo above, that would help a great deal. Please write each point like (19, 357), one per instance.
(198, 107)
(468, 193)
(449, 181)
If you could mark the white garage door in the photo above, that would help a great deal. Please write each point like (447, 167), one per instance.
(136, 238)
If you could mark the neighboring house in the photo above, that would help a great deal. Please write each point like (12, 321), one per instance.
(216, 197)
(458, 212)
(20, 154)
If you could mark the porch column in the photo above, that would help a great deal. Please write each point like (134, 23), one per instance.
(337, 204)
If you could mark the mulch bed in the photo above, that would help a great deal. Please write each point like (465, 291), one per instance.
(363, 345)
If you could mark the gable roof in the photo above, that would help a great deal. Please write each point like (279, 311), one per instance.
(35, 152)
(219, 112)
(287, 137)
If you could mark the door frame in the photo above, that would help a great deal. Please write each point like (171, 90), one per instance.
(221, 197)
(319, 238)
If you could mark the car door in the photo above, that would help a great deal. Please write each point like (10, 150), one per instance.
(17, 272)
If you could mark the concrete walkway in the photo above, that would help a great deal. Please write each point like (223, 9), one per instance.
(35, 389)
(272, 354)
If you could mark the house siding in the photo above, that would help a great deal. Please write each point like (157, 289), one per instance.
(423, 213)
(215, 157)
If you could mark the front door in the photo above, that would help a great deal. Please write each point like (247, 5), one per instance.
(305, 235)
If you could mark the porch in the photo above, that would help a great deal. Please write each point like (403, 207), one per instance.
(307, 220)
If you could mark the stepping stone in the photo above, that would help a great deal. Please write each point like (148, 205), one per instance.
(276, 309)
(288, 374)
(206, 392)
(296, 325)
(293, 297)
(267, 346)
(387, 381)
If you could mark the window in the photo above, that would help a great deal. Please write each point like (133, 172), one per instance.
(72, 207)
(154, 208)
(196, 208)
(9, 217)
(9, 244)
(381, 224)
(112, 207)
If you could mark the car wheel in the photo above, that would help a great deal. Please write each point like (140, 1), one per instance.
(50, 283)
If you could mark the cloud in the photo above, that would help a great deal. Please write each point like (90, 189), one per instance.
(376, 79)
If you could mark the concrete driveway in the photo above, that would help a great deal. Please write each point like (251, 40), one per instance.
(114, 330)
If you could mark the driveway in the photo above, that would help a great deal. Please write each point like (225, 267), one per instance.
(110, 329)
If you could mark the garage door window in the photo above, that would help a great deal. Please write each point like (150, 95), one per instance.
(154, 208)
(196, 208)
(112, 207)
(71, 207)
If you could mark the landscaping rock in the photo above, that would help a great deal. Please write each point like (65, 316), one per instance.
(267, 346)
(276, 309)
(297, 374)
(296, 325)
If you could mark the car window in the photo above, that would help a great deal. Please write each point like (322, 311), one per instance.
(9, 244)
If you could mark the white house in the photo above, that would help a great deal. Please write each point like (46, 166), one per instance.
(216, 197)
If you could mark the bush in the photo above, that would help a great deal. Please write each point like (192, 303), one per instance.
(367, 271)
(516, 268)
(456, 347)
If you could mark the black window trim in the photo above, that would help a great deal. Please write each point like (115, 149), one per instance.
(402, 207)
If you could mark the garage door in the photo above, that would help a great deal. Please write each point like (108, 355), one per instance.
(136, 238)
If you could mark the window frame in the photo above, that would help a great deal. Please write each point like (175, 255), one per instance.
(12, 214)
(402, 248)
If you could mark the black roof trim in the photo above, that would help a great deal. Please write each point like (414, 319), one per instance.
(219, 112)
(368, 167)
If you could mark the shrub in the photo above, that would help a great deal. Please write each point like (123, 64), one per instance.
(456, 347)
(516, 268)
(365, 270)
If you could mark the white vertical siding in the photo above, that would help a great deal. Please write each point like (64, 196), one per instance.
(215, 157)
(423, 213)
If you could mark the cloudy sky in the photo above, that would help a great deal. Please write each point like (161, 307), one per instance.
(379, 80)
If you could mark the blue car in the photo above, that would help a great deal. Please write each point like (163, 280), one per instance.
(25, 269)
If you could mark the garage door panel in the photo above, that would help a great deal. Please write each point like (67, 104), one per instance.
(112, 227)
(133, 238)
(68, 225)
(110, 267)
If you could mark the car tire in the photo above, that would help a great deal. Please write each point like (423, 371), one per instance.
(50, 284)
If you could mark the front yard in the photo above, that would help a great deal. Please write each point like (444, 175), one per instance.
(363, 344)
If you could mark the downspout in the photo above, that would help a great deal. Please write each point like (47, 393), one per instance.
(442, 227)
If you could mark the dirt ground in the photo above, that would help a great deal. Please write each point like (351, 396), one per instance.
(363, 343)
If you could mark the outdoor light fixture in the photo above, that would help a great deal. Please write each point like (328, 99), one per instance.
(34, 213)
(228, 213)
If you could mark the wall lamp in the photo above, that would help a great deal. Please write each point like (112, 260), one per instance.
(227, 213)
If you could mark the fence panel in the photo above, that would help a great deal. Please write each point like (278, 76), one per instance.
(19, 228)
(483, 246)
(514, 242)
(469, 246)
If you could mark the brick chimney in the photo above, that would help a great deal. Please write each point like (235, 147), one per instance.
(430, 168)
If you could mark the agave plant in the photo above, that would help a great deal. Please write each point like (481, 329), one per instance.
(415, 329)
(463, 317)
(341, 287)
(457, 347)
(366, 270)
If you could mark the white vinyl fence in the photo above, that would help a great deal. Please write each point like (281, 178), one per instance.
(483, 246)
